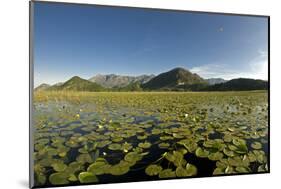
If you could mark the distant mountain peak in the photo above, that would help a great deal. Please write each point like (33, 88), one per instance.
(75, 78)
(213, 81)
(113, 80)
(42, 87)
(174, 78)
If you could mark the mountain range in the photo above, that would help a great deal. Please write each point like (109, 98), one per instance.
(115, 81)
(177, 79)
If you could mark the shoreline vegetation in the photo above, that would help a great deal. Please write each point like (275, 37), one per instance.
(41, 96)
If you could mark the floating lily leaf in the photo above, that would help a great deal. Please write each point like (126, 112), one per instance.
(83, 150)
(133, 157)
(242, 169)
(191, 169)
(167, 173)
(166, 138)
(72, 178)
(87, 177)
(263, 168)
(115, 146)
(117, 139)
(119, 169)
(241, 146)
(256, 145)
(163, 145)
(103, 143)
(144, 145)
(126, 147)
(238, 142)
(215, 156)
(84, 158)
(260, 156)
(190, 145)
(73, 167)
(218, 171)
(142, 137)
(228, 170)
(58, 179)
(237, 161)
(228, 152)
(201, 153)
(99, 168)
(59, 167)
(152, 170)
(40, 178)
(181, 172)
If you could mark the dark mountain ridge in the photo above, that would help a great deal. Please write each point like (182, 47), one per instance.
(172, 79)
(77, 84)
(178, 79)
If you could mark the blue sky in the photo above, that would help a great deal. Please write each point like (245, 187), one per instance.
(88, 40)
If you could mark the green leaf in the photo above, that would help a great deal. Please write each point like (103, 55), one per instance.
(87, 177)
(152, 170)
(99, 168)
(133, 157)
(115, 146)
(144, 145)
(256, 145)
(59, 167)
(191, 169)
(167, 173)
(119, 169)
(215, 156)
(58, 179)
(201, 153)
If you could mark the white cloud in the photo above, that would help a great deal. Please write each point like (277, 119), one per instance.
(257, 69)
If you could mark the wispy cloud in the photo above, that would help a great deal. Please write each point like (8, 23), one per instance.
(256, 69)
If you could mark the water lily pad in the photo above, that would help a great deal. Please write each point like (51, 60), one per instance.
(59, 167)
(142, 137)
(263, 168)
(40, 178)
(84, 158)
(256, 145)
(133, 157)
(215, 156)
(167, 173)
(241, 146)
(163, 145)
(190, 169)
(119, 169)
(242, 169)
(72, 178)
(200, 152)
(144, 145)
(99, 168)
(152, 170)
(126, 147)
(218, 171)
(115, 146)
(87, 177)
(58, 179)
(228, 152)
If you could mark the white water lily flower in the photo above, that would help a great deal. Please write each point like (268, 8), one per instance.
(185, 115)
